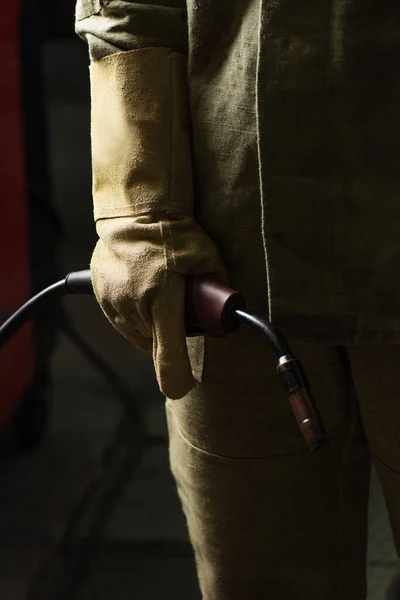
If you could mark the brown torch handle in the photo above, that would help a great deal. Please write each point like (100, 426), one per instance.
(210, 307)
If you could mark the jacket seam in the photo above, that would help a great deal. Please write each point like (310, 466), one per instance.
(260, 174)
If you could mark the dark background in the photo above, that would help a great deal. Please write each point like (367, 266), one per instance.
(92, 511)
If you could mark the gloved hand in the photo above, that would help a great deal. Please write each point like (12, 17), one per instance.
(143, 206)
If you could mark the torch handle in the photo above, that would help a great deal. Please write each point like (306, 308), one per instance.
(211, 310)
(210, 307)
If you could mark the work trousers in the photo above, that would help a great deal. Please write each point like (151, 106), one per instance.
(267, 518)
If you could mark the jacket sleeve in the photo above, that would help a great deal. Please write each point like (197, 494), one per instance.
(111, 26)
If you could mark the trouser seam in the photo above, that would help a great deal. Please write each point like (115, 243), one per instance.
(351, 432)
(385, 464)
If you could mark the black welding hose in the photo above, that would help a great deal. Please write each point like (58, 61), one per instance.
(212, 300)
(29, 310)
(79, 282)
(273, 335)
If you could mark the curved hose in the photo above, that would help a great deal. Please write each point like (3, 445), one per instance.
(218, 310)
(79, 282)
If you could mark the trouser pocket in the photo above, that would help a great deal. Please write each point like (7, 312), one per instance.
(283, 527)
(240, 409)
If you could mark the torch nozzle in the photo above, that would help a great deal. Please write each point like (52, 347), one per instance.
(304, 409)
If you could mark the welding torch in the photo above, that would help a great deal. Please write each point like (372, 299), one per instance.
(211, 309)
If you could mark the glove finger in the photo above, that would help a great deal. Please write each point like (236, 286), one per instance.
(127, 327)
(132, 332)
(130, 326)
(170, 354)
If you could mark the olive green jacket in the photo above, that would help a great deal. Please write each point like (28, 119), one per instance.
(295, 110)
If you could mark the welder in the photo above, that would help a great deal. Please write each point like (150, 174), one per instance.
(258, 143)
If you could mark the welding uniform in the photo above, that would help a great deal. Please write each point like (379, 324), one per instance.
(259, 142)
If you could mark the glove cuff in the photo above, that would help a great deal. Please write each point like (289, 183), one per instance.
(140, 127)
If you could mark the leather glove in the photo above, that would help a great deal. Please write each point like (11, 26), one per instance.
(143, 206)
